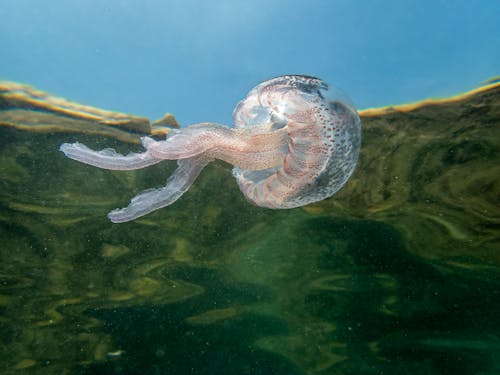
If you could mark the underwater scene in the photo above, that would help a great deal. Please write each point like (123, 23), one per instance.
(265, 187)
(398, 273)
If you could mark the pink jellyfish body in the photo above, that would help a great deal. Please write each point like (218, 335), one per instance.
(291, 145)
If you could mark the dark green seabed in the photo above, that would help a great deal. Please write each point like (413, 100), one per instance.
(399, 273)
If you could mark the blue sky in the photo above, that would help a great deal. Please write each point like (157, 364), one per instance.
(196, 59)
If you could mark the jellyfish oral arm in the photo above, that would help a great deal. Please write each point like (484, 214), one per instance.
(239, 147)
(194, 147)
(107, 158)
(150, 200)
(252, 149)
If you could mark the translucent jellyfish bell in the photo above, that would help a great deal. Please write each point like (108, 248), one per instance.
(325, 139)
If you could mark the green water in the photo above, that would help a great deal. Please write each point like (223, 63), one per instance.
(214, 285)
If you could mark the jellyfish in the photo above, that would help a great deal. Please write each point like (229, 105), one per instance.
(292, 143)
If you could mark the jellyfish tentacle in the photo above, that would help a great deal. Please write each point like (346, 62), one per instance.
(150, 200)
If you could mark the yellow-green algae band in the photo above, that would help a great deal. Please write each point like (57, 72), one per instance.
(26, 108)
(408, 107)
